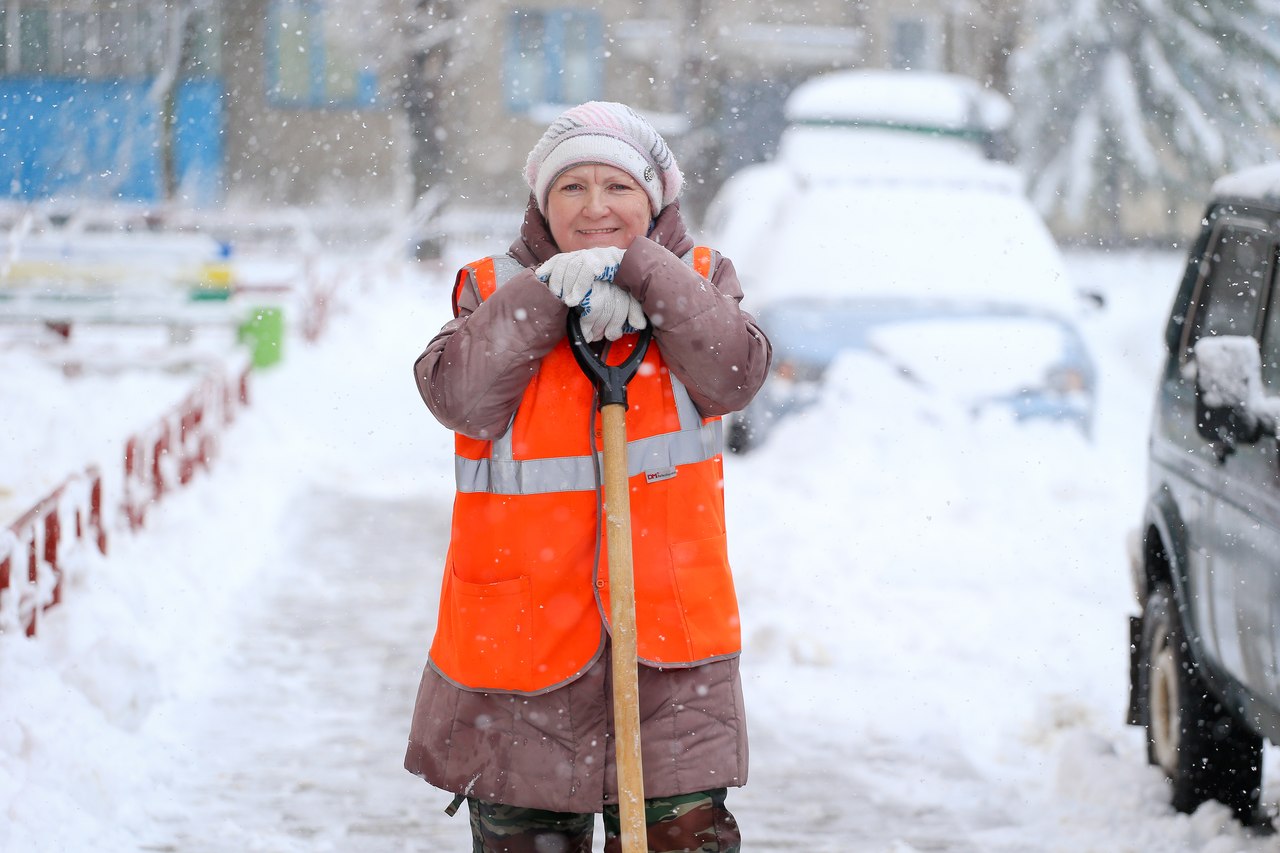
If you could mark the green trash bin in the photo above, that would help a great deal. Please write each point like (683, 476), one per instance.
(263, 333)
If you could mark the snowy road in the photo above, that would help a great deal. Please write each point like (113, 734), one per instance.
(934, 626)
(301, 737)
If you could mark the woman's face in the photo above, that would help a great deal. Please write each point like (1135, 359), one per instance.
(594, 205)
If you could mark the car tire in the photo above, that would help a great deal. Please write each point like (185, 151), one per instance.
(1206, 753)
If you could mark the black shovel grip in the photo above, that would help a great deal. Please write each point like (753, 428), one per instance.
(610, 379)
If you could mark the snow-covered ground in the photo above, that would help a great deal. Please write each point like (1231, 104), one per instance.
(934, 610)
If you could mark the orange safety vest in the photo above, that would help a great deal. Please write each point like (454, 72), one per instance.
(525, 596)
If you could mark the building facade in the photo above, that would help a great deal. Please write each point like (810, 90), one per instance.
(192, 102)
(711, 74)
(309, 102)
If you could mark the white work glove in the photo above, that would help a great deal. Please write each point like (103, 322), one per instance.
(584, 280)
(608, 311)
(571, 275)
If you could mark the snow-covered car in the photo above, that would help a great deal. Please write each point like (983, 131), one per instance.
(885, 224)
(1205, 651)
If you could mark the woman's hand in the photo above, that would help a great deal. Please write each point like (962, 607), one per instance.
(608, 311)
(571, 275)
(584, 280)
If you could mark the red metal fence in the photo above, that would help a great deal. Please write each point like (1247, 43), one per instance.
(35, 549)
(166, 454)
(75, 517)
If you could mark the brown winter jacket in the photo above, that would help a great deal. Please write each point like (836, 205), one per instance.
(554, 750)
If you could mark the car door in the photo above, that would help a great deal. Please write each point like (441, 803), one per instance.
(1252, 504)
(1233, 593)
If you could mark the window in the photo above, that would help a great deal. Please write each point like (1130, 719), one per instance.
(1239, 266)
(90, 39)
(909, 44)
(33, 39)
(1270, 349)
(317, 56)
(552, 57)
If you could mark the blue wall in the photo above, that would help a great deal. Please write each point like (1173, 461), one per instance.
(99, 139)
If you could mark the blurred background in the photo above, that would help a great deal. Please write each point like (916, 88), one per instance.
(1124, 112)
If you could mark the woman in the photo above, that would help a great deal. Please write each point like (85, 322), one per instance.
(514, 710)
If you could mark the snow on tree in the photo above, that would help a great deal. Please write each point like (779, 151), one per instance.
(1124, 96)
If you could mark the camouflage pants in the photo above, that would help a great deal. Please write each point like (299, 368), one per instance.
(689, 823)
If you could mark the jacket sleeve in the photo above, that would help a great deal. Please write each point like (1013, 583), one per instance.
(475, 370)
(713, 346)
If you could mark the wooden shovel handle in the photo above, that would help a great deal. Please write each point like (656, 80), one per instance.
(622, 619)
(611, 386)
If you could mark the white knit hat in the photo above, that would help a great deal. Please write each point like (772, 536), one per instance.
(608, 133)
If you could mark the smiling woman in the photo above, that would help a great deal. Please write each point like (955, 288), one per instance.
(524, 639)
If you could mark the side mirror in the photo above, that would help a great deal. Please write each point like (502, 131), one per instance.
(1229, 388)
(1094, 300)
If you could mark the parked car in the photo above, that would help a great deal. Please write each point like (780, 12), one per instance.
(1205, 651)
(884, 224)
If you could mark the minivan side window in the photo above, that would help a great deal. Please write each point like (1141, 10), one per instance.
(1239, 272)
(1270, 345)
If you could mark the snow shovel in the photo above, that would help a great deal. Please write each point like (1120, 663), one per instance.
(611, 386)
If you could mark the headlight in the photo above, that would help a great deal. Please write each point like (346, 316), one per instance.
(1067, 380)
(789, 370)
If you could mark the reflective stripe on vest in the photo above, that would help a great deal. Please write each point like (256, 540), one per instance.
(502, 474)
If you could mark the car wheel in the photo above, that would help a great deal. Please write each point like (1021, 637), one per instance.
(1203, 750)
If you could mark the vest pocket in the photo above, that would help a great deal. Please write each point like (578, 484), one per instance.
(704, 583)
(492, 629)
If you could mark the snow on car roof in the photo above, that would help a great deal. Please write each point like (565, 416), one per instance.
(915, 99)
(854, 214)
(1257, 182)
(938, 243)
